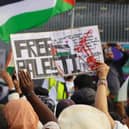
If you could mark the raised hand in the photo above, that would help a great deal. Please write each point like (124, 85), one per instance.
(102, 70)
(26, 83)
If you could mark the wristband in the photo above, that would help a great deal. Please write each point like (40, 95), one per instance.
(12, 91)
(12, 88)
(102, 82)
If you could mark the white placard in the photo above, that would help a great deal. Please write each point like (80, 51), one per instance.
(77, 50)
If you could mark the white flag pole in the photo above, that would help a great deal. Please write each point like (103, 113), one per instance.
(72, 18)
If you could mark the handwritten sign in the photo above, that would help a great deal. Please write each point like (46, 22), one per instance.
(73, 50)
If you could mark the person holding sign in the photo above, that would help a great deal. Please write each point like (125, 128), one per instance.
(89, 117)
(101, 95)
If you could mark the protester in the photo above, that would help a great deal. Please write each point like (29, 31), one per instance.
(84, 81)
(19, 113)
(44, 113)
(42, 93)
(115, 72)
(88, 117)
(101, 96)
(85, 86)
(83, 117)
(13, 111)
(56, 87)
(60, 86)
(115, 77)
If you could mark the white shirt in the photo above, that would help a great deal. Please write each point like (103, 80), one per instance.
(119, 125)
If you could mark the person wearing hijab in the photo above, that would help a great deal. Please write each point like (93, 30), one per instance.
(19, 113)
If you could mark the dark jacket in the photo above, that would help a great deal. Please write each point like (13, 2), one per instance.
(115, 76)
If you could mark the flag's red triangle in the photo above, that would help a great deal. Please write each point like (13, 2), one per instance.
(72, 2)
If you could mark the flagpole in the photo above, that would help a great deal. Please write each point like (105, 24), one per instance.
(72, 18)
(72, 22)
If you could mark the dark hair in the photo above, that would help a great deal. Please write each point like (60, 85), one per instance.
(84, 96)
(67, 78)
(116, 116)
(62, 104)
(111, 44)
(83, 81)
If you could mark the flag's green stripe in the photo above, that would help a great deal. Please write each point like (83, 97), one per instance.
(10, 70)
(17, 23)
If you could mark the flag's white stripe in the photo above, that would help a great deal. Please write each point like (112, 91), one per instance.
(122, 94)
(10, 10)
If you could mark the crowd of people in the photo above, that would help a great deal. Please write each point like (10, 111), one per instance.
(81, 102)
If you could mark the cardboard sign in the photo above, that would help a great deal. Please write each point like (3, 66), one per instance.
(73, 51)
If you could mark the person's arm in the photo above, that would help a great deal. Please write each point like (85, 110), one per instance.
(60, 71)
(8, 79)
(101, 95)
(26, 84)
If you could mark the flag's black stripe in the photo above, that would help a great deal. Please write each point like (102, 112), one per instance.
(5, 2)
(3, 84)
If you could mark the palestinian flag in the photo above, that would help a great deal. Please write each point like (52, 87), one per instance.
(123, 92)
(18, 15)
(10, 63)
